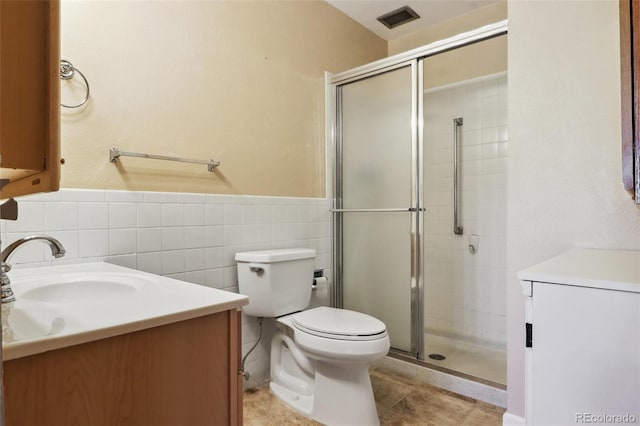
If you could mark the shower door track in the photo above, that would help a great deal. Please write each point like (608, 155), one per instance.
(425, 363)
(479, 34)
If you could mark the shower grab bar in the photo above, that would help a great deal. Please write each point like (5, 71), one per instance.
(457, 228)
(115, 153)
(409, 209)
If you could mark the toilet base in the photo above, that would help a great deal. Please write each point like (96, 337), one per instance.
(342, 395)
(300, 403)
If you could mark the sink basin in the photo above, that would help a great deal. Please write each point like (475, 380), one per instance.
(83, 290)
(26, 324)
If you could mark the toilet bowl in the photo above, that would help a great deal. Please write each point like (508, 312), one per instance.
(319, 357)
(336, 346)
(338, 334)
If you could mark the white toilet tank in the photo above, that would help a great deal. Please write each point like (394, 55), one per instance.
(277, 282)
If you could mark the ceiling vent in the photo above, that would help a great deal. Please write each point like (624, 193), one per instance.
(398, 17)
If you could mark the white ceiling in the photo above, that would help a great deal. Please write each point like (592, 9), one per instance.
(431, 12)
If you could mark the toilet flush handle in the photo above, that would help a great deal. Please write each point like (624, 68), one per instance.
(257, 268)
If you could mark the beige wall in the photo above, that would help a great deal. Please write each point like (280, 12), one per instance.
(472, 61)
(476, 60)
(564, 173)
(242, 82)
(487, 15)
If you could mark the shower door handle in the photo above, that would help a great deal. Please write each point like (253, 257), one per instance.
(392, 210)
(457, 227)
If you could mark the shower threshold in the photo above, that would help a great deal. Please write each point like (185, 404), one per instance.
(444, 378)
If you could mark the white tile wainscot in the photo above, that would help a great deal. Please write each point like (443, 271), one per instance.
(190, 237)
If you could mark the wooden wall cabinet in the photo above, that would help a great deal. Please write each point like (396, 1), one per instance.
(29, 97)
(630, 96)
(184, 373)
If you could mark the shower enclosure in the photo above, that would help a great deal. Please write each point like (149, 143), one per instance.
(420, 150)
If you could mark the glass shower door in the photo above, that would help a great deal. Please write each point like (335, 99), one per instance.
(377, 201)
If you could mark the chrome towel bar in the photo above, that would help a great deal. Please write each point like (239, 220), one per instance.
(115, 153)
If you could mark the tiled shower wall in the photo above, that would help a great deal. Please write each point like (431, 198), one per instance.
(189, 237)
(465, 293)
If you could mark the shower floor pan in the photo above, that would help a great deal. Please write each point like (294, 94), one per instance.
(473, 360)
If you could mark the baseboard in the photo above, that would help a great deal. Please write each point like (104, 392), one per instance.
(509, 419)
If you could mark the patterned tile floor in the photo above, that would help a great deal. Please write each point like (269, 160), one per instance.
(400, 401)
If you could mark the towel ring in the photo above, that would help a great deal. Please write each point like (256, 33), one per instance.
(67, 70)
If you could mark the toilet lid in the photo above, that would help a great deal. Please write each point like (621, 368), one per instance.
(339, 324)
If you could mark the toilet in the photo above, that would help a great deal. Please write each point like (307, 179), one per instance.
(319, 357)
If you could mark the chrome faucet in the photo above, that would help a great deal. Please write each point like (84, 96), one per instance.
(57, 250)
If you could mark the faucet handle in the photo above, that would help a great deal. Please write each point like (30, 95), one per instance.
(6, 292)
(9, 210)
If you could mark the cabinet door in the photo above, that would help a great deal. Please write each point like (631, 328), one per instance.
(29, 97)
(630, 95)
(182, 373)
(585, 355)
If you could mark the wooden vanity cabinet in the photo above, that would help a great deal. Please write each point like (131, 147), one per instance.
(184, 373)
(630, 94)
(29, 97)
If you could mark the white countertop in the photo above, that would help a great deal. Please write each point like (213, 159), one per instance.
(607, 269)
(43, 319)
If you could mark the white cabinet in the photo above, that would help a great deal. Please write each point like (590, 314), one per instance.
(583, 338)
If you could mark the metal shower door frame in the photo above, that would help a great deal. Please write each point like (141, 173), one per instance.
(415, 56)
(416, 281)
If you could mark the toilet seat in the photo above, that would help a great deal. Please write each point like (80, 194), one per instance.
(341, 324)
